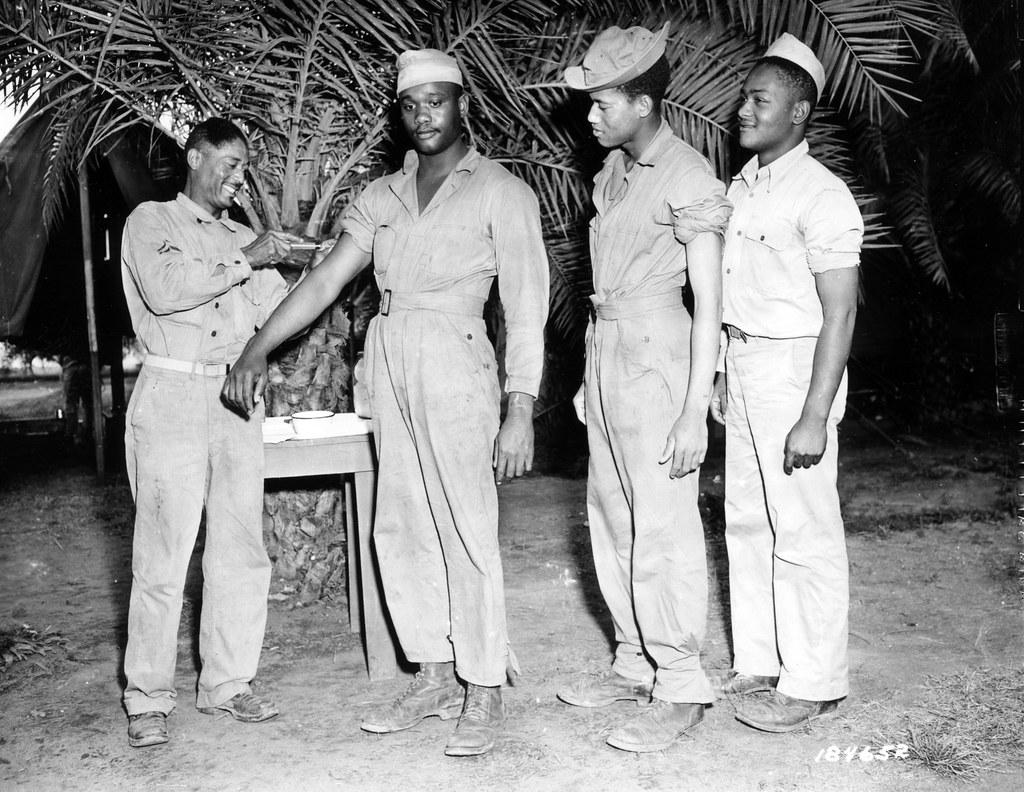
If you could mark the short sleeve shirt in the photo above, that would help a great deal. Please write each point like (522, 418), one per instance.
(644, 217)
(482, 223)
(791, 220)
(190, 291)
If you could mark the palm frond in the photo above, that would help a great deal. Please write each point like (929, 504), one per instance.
(571, 282)
(912, 216)
(709, 64)
(863, 45)
(987, 175)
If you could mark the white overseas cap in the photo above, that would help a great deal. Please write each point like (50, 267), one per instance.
(416, 67)
(790, 48)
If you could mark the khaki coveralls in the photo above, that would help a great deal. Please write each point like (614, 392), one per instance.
(788, 573)
(194, 302)
(645, 528)
(434, 395)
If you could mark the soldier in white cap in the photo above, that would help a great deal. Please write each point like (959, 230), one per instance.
(660, 214)
(438, 231)
(790, 275)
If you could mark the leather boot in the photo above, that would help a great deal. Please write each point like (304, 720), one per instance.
(433, 691)
(482, 718)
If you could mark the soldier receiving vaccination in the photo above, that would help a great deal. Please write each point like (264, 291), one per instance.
(438, 231)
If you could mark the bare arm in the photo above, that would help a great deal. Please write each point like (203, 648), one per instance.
(248, 377)
(687, 441)
(837, 290)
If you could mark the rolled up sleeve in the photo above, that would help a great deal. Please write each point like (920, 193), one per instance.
(834, 231)
(699, 206)
(358, 222)
(523, 284)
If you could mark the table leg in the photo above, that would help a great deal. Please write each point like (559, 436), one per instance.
(355, 614)
(381, 658)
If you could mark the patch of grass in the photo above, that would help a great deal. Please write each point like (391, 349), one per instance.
(23, 643)
(972, 722)
(945, 754)
(912, 521)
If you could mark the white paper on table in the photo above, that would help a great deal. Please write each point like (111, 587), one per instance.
(278, 430)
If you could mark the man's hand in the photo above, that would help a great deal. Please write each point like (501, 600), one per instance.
(513, 448)
(805, 445)
(245, 383)
(686, 445)
(579, 404)
(719, 399)
(269, 247)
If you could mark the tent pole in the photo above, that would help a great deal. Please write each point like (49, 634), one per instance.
(90, 316)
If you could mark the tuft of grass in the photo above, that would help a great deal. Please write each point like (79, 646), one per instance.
(944, 753)
(24, 643)
(972, 722)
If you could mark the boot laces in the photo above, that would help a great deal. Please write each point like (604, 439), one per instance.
(414, 687)
(476, 704)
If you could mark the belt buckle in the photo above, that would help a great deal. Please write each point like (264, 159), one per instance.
(385, 302)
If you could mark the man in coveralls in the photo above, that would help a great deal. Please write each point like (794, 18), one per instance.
(790, 272)
(197, 284)
(438, 232)
(660, 213)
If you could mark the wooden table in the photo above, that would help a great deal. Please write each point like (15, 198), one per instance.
(354, 459)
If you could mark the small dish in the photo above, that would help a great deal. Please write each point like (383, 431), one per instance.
(308, 422)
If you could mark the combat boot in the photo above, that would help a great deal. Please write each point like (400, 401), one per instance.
(482, 718)
(433, 691)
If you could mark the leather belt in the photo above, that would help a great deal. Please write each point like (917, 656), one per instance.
(461, 304)
(637, 305)
(187, 366)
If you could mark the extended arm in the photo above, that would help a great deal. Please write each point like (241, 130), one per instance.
(687, 441)
(248, 377)
(837, 290)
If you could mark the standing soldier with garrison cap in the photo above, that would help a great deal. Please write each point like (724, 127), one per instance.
(438, 231)
(790, 273)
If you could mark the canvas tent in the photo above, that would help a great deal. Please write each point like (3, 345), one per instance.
(22, 236)
(51, 282)
(141, 171)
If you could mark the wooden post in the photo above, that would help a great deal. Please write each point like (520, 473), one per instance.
(90, 318)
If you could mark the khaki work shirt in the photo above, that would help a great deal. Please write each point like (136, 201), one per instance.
(792, 219)
(190, 291)
(482, 223)
(647, 214)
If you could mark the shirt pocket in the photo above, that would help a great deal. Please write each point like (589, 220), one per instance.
(385, 242)
(771, 250)
(241, 307)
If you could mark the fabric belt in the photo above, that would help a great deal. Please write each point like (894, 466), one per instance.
(638, 305)
(187, 366)
(735, 332)
(461, 304)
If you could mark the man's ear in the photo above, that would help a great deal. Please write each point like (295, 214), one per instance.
(644, 105)
(801, 112)
(463, 104)
(193, 157)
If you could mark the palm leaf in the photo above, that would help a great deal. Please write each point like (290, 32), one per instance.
(913, 217)
(863, 44)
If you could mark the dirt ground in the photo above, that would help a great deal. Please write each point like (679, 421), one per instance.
(931, 553)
